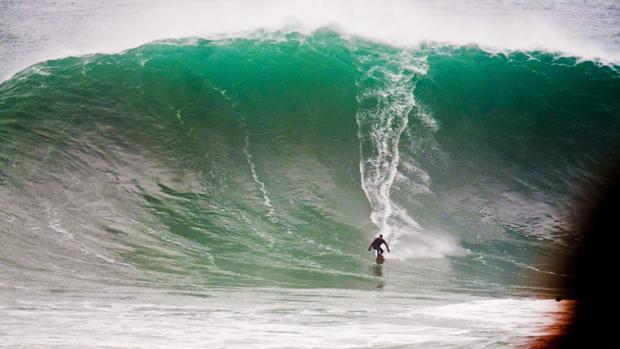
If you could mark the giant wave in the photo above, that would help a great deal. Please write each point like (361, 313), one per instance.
(273, 159)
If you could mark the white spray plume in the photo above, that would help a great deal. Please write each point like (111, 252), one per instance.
(119, 26)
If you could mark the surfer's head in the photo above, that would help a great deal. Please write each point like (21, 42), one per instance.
(381, 236)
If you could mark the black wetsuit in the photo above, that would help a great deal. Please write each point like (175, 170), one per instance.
(376, 244)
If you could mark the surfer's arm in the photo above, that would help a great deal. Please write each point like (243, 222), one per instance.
(386, 245)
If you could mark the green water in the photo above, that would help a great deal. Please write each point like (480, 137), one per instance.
(273, 161)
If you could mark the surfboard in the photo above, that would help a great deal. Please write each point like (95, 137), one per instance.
(380, 259)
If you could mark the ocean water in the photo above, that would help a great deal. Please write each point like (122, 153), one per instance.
(210, 174)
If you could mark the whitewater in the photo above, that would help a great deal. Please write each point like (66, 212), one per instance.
(198, 174)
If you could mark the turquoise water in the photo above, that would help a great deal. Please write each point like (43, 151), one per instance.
(230, 187)
(290, 153)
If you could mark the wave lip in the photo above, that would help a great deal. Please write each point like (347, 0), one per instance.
(584, 30)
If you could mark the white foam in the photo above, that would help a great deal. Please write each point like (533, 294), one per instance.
(271, 211)
(55, 222)
(380, 129)
(275, 319)
(401, 22)
(494, 26)
(523, 316)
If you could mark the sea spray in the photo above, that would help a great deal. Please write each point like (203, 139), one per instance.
(386, 97)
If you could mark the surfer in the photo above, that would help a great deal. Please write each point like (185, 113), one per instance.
(376, 245)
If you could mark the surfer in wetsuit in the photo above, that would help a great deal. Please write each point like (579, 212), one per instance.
(376, 245)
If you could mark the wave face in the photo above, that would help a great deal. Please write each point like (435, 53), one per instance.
(274, 159)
